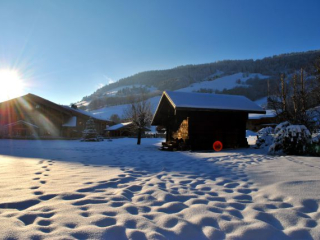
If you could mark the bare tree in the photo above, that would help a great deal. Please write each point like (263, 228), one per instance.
(294, 100)
(139, 112)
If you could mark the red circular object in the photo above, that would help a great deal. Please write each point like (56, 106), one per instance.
(217, 146)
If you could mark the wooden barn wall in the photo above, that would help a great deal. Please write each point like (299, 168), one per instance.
(208, 127)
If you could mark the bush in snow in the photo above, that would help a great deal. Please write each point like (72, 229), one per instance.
(291, 139)
(264, 137)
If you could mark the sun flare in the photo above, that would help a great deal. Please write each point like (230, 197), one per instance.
(11, 84)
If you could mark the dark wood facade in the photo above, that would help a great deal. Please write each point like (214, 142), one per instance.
(199, 128)
(49, 119)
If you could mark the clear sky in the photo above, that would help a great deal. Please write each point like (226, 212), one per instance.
(65, 49)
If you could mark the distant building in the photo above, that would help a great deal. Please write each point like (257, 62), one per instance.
(259, 121)
(31, 116)
(120, 130)
(197, 120)
(123, 130)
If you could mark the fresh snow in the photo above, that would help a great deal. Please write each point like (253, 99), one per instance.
(114, 91)
(83, 103)
(269, 114)
(118, 126)
(119, 190)
(87, 113)
(251, 137)
(226, 82)
(106, 112)
(212, 101)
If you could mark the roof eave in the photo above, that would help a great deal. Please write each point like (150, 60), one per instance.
(219, 110)
(155, 114)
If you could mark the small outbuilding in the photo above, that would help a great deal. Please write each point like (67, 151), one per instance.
(258, 121)
(120, 130)
(196, 120)
(123, 130)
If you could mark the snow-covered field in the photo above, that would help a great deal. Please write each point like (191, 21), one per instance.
(118, 190)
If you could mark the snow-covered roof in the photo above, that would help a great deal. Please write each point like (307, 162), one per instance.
(89, 114)
(20, 122)
(205, 101)
(269, 114)
(118, 126)
(71, 122)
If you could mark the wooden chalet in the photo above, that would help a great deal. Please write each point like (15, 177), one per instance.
(196, 120)
(31, 116)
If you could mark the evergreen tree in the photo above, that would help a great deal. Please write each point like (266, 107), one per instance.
(90, 133)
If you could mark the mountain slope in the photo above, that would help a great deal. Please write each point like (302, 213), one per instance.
(212, 77)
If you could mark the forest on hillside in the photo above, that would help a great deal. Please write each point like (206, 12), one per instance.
(183, 76)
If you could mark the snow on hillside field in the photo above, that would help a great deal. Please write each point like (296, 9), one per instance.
(119, 190)
(106, 112)
(114, 91)
(226, 82)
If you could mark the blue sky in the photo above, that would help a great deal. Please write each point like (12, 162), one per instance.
(66, 49)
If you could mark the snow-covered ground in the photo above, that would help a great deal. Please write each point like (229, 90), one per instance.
(226, 82)
(119, 190)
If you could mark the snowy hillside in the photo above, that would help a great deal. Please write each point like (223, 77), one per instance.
(106, 112)
(83, 104)
(226, 82)
(114, 91)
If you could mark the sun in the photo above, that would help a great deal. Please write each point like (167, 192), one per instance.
(11, 84)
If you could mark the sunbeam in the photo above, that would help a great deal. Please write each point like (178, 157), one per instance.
(11, 84)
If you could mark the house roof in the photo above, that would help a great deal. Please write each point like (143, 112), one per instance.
(20, 122)
(30, 100)
(207, 102)
(118, 126)
(83, 112)
(269, 114)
